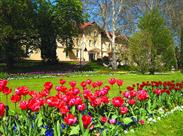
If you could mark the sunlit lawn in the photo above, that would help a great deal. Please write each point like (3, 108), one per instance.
(129, 79)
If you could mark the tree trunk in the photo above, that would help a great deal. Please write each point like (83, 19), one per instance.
(114, 59)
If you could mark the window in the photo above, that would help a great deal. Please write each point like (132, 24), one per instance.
(77, 53)
(66, 54)
(94, 43)
(90, 43)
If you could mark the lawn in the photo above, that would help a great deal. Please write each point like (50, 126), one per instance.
(169, 126)
(129, 79)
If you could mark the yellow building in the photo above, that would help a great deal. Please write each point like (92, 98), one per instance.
(91, 44)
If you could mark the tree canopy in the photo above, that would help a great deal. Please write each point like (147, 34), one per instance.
(152, 47)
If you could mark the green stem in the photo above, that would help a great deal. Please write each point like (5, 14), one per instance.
(81, 123)
(7, 100)
(15, 107)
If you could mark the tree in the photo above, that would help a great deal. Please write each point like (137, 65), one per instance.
(181, 50)
(69, 17)
(57, 20)
(114, 18)
(46, 25)
(157, 48)
(16, 28)
(176, 16)
(140, 45)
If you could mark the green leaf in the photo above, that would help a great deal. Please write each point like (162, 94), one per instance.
(39, 120)
(114, 116)
(127, 120)
(73, 109)
(74, 130)
(58, 128)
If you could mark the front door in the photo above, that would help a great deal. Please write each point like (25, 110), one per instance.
(91, 56)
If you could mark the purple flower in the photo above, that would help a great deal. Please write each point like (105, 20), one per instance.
(112, 121)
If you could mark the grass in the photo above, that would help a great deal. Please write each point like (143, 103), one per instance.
(171, 126)
(129, 79)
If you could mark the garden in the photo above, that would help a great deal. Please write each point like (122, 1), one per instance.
(81, 104)
(91, 67)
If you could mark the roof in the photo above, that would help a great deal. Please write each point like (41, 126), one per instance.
(119, 36)
(86, 25)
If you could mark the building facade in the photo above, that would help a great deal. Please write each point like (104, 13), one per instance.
(91, 44)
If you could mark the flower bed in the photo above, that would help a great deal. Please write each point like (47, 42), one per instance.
(86, 110)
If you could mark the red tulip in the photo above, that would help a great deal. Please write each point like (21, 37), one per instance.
(167, 91)
(78, 100)
(75, 91)
(117, 101)
(43, 93)
(34, 104)
(70, 119)
(72, 102)
(6, 90)
(107, 87)
(83, 84)
(133, 93)
(86, 120)
(104, 92)
(123, 110)
(2, 109)
(64, 109)
(105, 99)
(52, 101)
(99, 83)
(94, 85)
(81, 107)
(33, 94)
(96, 102)
(112, 81)
(23, 105)
(62, 81)
(103, 119)
(72, 84)
(23, 90)
(88, 81)
(15, 98)
(157, 92)
(142, 122)
(129, 88)
(48, 85)
(126, 94)
(3, 84)
(143, 95)
(119, 82)
(132, 102)
(61, 89)
(87, 93)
